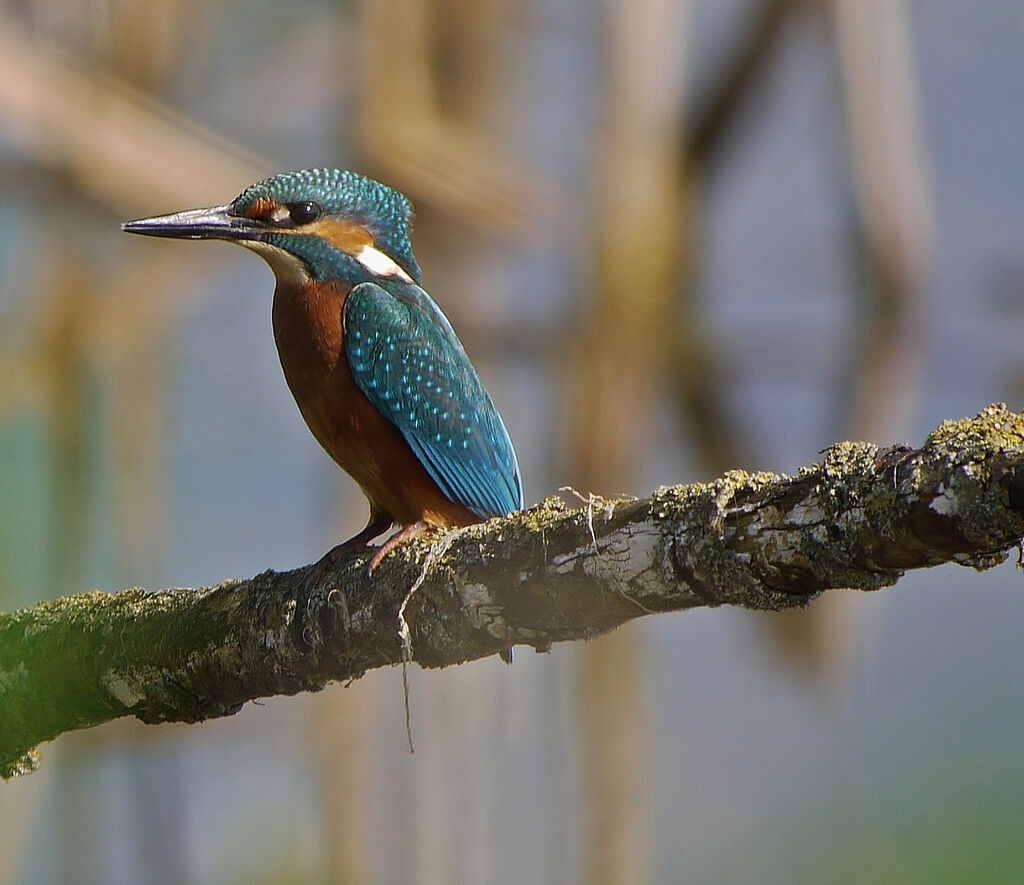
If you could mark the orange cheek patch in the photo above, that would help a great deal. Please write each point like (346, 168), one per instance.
(344, 235)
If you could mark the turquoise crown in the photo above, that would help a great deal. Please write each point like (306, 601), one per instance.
(385, 212)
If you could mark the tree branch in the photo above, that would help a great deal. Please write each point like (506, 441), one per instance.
(550, 574)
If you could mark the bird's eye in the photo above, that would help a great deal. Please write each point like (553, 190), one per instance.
(304, 212)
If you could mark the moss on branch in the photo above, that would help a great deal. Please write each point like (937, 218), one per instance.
(858, 519)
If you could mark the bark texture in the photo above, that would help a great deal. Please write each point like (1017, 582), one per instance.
(858, 519)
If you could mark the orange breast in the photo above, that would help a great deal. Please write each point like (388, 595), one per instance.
(309, 335)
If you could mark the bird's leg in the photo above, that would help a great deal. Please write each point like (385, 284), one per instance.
(379, 523)
(410, 531)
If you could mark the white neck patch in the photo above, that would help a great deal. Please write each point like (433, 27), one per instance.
(379, 264)
(289, 269)
(286, 267)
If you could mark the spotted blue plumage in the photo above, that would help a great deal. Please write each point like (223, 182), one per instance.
(407, 359)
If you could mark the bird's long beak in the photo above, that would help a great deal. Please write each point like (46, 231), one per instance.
(215, 223)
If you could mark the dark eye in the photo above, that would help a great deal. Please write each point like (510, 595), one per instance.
(304, 212)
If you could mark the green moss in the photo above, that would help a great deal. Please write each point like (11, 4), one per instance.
(24, 764)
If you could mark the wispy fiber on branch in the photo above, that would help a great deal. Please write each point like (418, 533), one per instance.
(858, 519)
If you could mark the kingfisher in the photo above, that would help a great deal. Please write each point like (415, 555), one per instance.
(376, 369)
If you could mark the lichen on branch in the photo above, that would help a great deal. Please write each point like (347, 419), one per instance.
(857, 519)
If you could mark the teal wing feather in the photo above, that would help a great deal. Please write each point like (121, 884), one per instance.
(406, 358)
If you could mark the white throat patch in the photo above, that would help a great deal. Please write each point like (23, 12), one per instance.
(286, 267)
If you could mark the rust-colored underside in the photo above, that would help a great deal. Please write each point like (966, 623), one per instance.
(309, 335)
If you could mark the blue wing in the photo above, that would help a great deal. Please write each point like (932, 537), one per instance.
(408, 361)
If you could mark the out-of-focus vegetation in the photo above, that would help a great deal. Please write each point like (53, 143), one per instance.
(676, 238)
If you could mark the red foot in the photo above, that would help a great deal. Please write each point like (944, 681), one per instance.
(378, 524)
(410, 531)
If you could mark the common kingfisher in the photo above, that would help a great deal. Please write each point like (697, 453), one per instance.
(375, 367)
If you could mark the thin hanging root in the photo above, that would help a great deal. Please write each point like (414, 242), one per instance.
(438, 549)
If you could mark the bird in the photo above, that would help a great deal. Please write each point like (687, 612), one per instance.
(376, 369)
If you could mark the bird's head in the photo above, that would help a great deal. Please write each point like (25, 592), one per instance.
(318, 224)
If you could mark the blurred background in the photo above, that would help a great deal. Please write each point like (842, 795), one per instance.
(676, 238)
